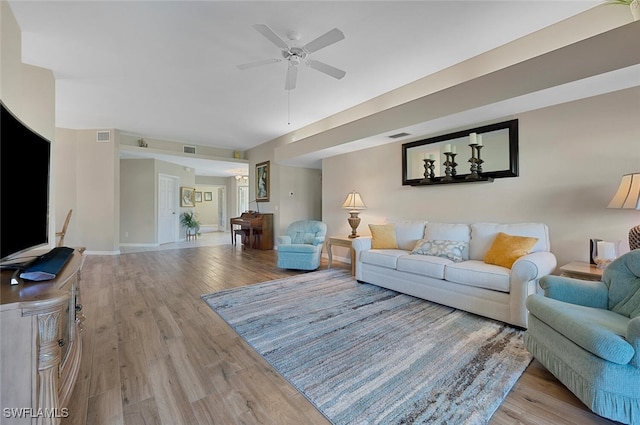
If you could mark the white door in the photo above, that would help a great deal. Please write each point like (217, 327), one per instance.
(167, 209)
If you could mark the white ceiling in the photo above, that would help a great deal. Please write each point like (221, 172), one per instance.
(167, 69)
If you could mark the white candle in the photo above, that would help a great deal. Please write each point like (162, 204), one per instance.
(473, 138)
(432, 157)
(447, 147)
(453, 149)
(479, 138)
(606, 250)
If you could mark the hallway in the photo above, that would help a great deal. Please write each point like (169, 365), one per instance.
(205, 239)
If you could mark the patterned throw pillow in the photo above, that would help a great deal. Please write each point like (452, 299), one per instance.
(452, 250)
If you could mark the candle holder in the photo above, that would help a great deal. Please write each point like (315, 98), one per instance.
(448, 167)
(429, 168)
(479, 161)
(474, 163)
(454, 164)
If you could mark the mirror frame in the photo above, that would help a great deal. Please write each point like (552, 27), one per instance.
(512, 171)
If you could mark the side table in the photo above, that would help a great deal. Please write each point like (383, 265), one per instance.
(341, 241)
(581, 270)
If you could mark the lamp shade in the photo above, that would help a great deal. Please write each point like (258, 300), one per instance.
(628, 194)
(354, 202)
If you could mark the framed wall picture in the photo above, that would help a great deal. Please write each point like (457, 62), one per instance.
(198, 196)
(208, 196)
(187, 197)
(262, 182)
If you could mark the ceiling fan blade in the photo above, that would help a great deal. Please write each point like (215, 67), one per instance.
(328, 38)
(271, 35)
(327, 69)
(292, 75)
(258, 63)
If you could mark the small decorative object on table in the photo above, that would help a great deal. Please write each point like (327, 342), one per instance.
(605, 253)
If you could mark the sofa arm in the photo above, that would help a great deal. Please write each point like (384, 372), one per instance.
(633, 338)
(318, 240)
(362, 243)
(576, 291)
(284, 240)
(533, 266)
(525, 273)
(359, 245)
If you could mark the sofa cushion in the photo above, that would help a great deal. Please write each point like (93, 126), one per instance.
(449, 232)
(506, 249)
(304, 248)
(453, 250)
(599, 331)
(425, 265)
(383, 257)
(483, 235)
(478, 273)
(383, 236)
(408, 232)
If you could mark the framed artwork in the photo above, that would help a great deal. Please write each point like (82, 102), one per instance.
(187, 197)
(262, 182)
(198, 196)
(208, 196)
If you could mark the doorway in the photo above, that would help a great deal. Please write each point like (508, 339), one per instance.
(167, 208)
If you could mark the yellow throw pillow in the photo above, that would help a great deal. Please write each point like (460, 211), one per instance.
(383, 236)
(506, 249)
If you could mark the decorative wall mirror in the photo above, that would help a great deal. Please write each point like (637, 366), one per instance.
(494, 155)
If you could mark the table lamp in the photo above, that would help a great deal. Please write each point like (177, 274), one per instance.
(628, 197)
(354, 203)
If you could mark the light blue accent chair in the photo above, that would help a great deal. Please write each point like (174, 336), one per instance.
(588, 335)
(301, 247)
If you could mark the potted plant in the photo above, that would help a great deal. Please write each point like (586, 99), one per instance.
(190, 222)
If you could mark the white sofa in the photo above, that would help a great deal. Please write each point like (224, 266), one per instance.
(472, 285)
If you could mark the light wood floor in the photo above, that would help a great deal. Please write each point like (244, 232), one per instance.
(155, 353)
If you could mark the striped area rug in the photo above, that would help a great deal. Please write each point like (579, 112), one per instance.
(367, 355)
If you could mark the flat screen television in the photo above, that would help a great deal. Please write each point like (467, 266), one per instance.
(24, 187)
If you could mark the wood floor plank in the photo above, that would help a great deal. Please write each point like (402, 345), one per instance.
(134, 376)
(144, 412)
(155, 353)
(173, 406)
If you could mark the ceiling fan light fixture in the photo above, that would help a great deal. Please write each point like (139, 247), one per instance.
(295, 55)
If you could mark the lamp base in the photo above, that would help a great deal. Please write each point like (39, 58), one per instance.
(634, 237)
(354, 222)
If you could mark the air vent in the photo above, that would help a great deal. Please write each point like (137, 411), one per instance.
(397, 136)
(103, 136)
(189, 149)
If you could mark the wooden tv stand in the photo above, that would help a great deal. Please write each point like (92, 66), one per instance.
(41, 346)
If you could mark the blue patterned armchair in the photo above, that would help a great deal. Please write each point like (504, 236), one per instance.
(588, 335)
(301, 247)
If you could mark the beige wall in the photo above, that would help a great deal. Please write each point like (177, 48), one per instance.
(138, 217)
(572, 157)
(97, 192)
(305, 183)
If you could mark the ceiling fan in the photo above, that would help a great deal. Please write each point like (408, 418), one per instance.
(297, 55)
